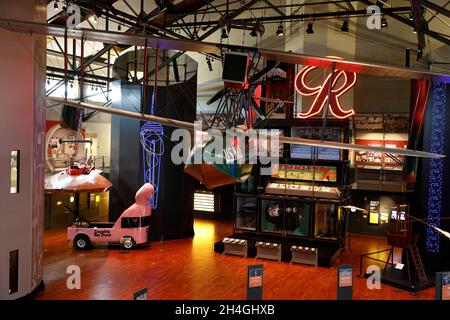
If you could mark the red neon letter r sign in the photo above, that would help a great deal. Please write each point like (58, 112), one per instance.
(321, 92)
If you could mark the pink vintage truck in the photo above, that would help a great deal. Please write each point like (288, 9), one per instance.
(129, 230)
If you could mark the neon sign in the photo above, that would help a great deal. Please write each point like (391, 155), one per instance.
(321, 92)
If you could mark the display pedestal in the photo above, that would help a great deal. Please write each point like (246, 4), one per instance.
(237, 247)
(266, 250)
(305, 255)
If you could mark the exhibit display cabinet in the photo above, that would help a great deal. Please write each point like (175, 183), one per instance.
(301, 202)
(289, 217)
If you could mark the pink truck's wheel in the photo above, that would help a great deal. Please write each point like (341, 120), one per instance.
(81, 242)
(128, 243)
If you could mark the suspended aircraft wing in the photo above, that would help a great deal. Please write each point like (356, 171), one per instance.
(215, 48)
(287, 140)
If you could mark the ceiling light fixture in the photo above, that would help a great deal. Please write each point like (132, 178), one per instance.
(93, 18)
(224, 33)
(419, 54)
(384, 23)
(309, 29)
(253, 33)
(55, 5)
(280, 31)
(344, 27)
(208, 62)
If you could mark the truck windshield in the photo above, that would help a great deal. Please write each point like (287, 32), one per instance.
(130, 222)
(135, 222)
(145, 221)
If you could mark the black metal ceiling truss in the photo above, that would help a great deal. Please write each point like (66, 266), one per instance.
(171, 21)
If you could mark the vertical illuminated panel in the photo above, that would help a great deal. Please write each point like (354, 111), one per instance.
(15, 170)
(204, 201)
(438, 98)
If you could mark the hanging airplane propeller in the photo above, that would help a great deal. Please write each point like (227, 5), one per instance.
(288, 140)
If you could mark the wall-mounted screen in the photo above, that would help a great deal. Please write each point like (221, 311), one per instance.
(394, 215)
(235, 66)
(374, 212)
(307, 152)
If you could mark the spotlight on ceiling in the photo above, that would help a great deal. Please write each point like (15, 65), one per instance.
(224, 33)
(93, 18)
(344, 27)
(415, 30)
(384, 23)
(55, 5)
(419, 54)
(280, 31)
(119, 27)
(309, 29)
(208, 62)
(253, 33)
(411, 17)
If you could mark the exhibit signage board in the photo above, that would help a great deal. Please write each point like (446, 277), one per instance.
(255, 282)
(140, 294)
(345, 282)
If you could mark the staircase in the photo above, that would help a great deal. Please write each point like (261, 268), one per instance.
(418, 265)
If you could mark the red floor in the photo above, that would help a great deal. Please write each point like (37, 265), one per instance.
(189, 269)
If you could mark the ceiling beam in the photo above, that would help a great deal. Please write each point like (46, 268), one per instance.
(332, 14)
(432, 34)
(270, 4)
(435, 7)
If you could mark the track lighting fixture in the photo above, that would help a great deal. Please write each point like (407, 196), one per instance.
(419, 53)
(224, 33)
(309, 29)
(415, 30)
(55, 5)
(344, 27)
(253, 33)
(93, 18)
(119, 27)
(384, 23)
(208, 62)
(280, 31)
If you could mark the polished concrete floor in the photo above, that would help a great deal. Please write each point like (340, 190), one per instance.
(189, 269)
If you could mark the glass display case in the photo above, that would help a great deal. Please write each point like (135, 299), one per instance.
(297, 218)
(326, 220)
(246, 211)
(271, 213)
